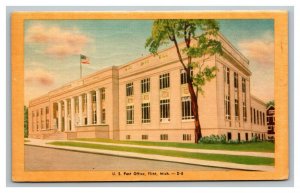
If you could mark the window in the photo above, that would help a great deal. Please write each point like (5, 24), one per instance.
(243, 85)
(102, 93)
(244, 111)
(257, 113)
(164, 137)
(94, 98)
(229, 136)
(227, 107)
(103, 116)
(76, 105)
(47, 124)
(260, 115)
(236, 80)
(165, 110)
(236, 108)
(246, 136)
(42, 124)
(264, 119)
(145, 112)
(41, 112)
(186, 108)
(145, 85)
(94, 116)
(239, 137)
(129, 89)
(127, 137)
(251, 114)
(254, 116)
(130, 114)
(227, 75)
(186, 137)
(144, 137)
(183, 76)
(47, 110)
(37, 113)
(164, 81)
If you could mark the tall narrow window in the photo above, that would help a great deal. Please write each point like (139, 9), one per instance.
(130, 114)
(47, 110)
(165, 110)
(227, 93)
(186, 108)
(236, 96)
(260, 116)
(164, 81)
(94, 108)
(129, 89)
(251, 114)
(227, 76)
(244, 111)
(254, 116)
(183, 76)
(243, 85)
(244, 95)
(236, 108)
(102, 93)
(145, 85)
(145, 112)
(236, 80)
(257, 114)
(103, 116)
(227, 107)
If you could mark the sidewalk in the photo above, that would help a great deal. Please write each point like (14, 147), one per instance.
(43, 143)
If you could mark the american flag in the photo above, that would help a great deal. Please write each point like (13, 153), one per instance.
(84, 59)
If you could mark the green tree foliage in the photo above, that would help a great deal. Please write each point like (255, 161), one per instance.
(199, 42)
(270, 103)
(25, 121)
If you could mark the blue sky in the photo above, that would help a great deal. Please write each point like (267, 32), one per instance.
(52, 49)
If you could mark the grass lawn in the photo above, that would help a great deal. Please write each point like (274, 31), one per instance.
(256, 147)
(249, 160)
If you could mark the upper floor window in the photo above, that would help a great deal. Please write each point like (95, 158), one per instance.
(243, 85)
(164, 81)
(145, 85)
(102, 93)
(183, 76)
(94, 97)
(47, 110)
(236, 80)
(227, 75)
(42, 111)
(129, 89)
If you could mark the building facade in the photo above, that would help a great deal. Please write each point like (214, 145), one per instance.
(148, 99)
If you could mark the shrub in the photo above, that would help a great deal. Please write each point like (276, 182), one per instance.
(213, 139)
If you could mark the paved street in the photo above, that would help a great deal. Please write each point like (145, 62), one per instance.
(41, 158)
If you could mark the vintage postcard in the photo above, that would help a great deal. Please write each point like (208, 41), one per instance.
(149, 96)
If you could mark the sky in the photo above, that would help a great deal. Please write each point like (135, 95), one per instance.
(52, 49)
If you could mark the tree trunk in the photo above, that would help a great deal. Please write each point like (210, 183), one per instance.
(195, 112)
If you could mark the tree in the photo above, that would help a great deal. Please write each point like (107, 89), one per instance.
(201, 31)
(25, 121)
(270, 103)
